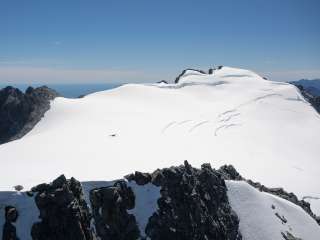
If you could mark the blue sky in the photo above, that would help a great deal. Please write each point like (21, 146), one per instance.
(82, 41)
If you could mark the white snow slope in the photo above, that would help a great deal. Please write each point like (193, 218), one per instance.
(265, 129)
(257, 214)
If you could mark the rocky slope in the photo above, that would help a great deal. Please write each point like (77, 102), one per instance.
(20, 112)
(191, 204)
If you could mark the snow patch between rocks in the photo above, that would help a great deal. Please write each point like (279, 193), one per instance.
(27, 209)
(146, 203)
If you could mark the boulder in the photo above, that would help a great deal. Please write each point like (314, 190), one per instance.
(9, 230)
(109, 208)
(228, 172)
(193, 205)
(11, 214)
(139, 177)
(63, 211)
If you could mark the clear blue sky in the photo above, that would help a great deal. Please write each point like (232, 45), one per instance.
(68, 41)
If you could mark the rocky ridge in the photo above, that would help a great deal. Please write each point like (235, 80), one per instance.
(193, 204)
(20, 112)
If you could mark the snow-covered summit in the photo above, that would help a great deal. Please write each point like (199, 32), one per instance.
(218, 76)
(265, 129)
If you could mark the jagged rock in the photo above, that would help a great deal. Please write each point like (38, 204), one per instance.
(20, 112)
(41, 187)
(228, 172)
(58, 182)
(139, 177)
(9, 230)
(18, 188)
(211, 70)
(157, 177)
(193, 205)
(109, 207)
(63, 211)
(11, 214)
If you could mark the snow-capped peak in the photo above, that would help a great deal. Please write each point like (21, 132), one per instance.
(233, 116)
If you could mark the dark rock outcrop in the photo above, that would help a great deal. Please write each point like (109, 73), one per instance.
(63, 211)
(9, 230)
(109, 207)
(211, 70)
(228, 172)
(20, 112)
(139, 177)
(193, 205)
(184, 71)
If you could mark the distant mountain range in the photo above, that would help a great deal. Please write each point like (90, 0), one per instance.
(310, 86)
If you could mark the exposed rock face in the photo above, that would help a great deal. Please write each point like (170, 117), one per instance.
(193, 205)
(20, 112)
(109, 206)
(9, 230)
(228, 172)
(211, 70)
(139, 177)
(63, 211)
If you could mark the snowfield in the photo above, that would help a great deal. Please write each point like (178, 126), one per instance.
(257, 213)
(265, 129)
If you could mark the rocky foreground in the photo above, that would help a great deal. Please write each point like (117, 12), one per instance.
(193, 204)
